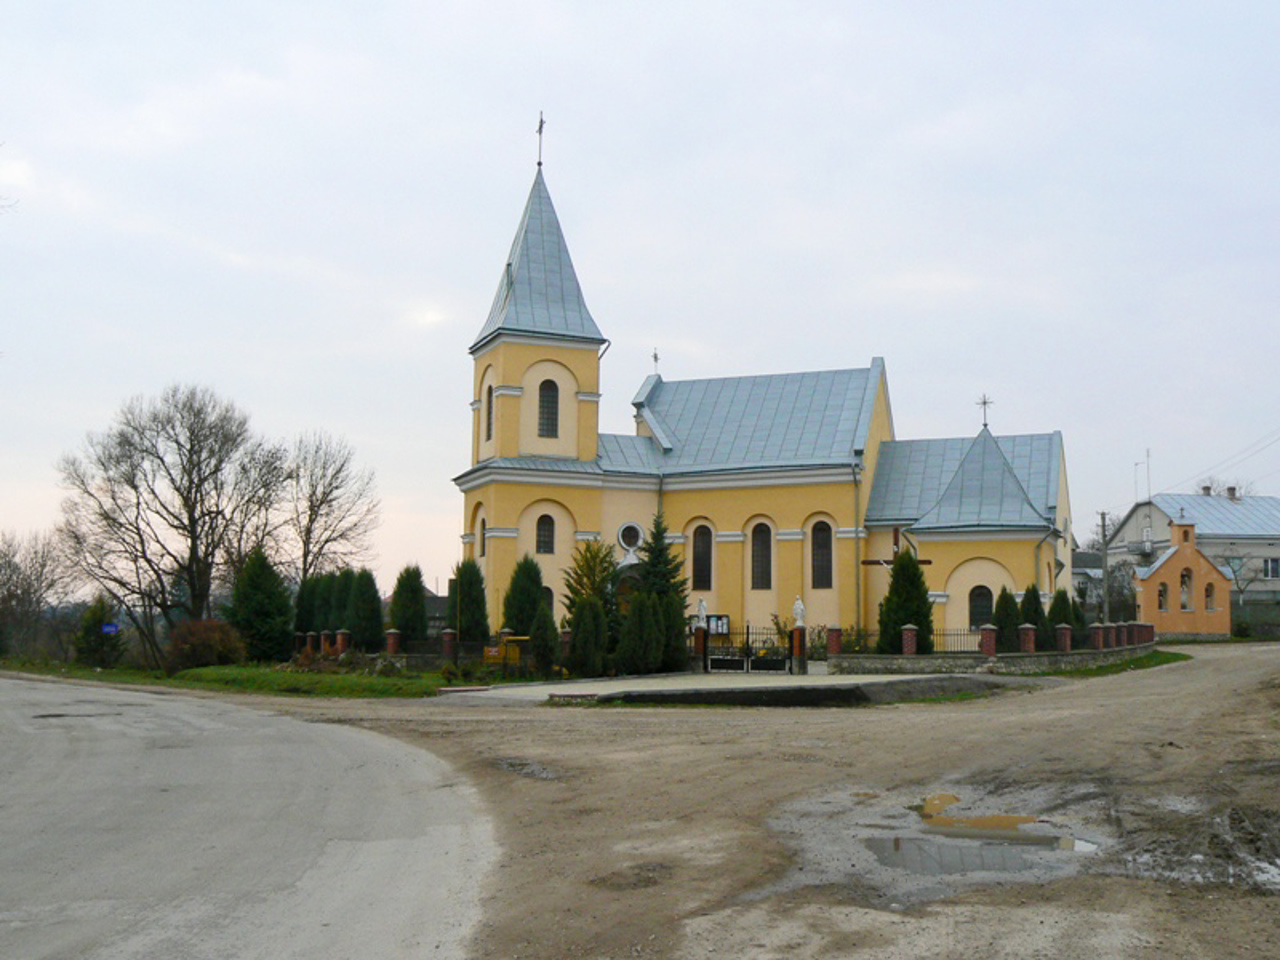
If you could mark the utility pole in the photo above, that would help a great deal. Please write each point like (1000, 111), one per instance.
(1106, 584)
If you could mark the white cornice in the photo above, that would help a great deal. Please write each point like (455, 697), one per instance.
(938, 596)
(468, 538)
(943, 535)
(570, 343)
(851, 533)
(508, 391)
(790, 534)
(502, 533)
(588, 397)
(731, 537)
(475, 404)
(586, 535)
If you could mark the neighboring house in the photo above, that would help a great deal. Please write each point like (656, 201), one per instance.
(1241, 534)
(772, 486)
(1184, 593)
(1086, 577)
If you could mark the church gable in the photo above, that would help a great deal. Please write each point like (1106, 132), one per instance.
(984, 493)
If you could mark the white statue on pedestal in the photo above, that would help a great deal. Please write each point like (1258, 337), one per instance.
(797, 611)
(700, 619)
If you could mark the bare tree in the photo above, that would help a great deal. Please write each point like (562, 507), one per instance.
(333, 506)
(1218, 486)
(32, 577)
(155, 502)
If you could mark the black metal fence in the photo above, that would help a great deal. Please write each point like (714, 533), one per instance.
(956, 641)
(747, 651)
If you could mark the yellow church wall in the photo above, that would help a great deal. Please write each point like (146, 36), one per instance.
(879, 430)
(1065, 523)
(822, 606)
(973, 572)
(565, 443)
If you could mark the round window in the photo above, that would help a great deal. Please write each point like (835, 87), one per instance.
(630, 536)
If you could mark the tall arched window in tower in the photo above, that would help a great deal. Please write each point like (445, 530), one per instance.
(820, 558)
(488, 412)
(761, 557)
(981, 606)
(482, 533)
(545, 540)
(548, 409)
(702, 558)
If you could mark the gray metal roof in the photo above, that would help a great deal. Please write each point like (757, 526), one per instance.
(1008, 482)
(983, 492)
(779, 420)
(539, 293)
(625, 453)
(1222, 516)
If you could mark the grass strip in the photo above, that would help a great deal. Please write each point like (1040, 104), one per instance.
(1156, 658)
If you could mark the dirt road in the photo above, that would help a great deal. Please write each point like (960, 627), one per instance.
(699, 833)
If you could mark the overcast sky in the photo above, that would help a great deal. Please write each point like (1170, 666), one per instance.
(1070, 207)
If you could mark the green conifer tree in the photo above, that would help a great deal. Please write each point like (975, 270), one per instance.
(304, 606)
(544, 640)
(409, 606)
(364, 612)
(589, 638)
(593, 572)
(1032, 611)
(93, 646)
(322, 601)
(261, 610)
(340, 600)
(1006, 617)
(1059, 612)
(472, 611)
(524, 597)
(907, 601)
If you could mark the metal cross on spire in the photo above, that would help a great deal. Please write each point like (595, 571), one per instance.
(655, 359)
(541, 123)
(984, 402)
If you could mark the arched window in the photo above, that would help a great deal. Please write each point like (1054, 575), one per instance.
(1209, 597)
(820, 559)
(549, 598)
(761, 557)
(1162, 597)
(1184, 585)
(1186, 536)
(702, 558)
(482, 538)
(545, 541)
(981, 607)
(488, 413)
(548, 409)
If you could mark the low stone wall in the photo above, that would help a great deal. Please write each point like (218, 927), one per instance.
(1010, 663)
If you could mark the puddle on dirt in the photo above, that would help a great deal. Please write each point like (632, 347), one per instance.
(909, 850)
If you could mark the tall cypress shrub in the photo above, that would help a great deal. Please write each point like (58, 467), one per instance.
(408, 609)
(261, 611)
(1006, 618)
(907, 601)
(588, 639)
(544, 640)
(364, 612)
(473, 612)
(524, 597)
(1032, 611)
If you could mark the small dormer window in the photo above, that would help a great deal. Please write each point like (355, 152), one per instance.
(548, 409)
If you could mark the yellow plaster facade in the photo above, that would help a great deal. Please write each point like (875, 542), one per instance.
(1184, 592)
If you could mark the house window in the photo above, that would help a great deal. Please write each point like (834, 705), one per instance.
(548, 409)
(482, 532)
(1209, 597)
(702, 558)
(761, 557)
(1162, 597)
(821, 555)
(1271, 568)
(488, 413)
(981, 606)
(545, 541)
(1184, 590)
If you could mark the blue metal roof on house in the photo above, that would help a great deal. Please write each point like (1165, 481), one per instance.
(778, 420)
(539, 292)
(962, 483)
(1221, 516)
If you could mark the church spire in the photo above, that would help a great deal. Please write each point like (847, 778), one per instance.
(538, 293)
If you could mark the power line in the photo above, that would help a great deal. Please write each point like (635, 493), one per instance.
(1246, 452)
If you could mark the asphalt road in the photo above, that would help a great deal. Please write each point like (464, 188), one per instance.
(141, 825)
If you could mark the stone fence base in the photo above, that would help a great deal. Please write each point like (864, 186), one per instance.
(1011, 663)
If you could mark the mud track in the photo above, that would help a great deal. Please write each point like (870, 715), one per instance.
(655, 831)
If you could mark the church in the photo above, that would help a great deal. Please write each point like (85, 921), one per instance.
(773, 487)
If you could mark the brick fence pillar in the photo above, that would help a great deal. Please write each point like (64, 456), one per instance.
(987, 640)
(1134, 633)
(799, 651)
(1063, 633)
(393, 642)
(1122, 634)
(298, 640)
(566, 641)
(700, 648)
(909, 631)
(1148, 633)
(449, 645)
(344, 641)
(326, 643)
(835, 637)
(1027, 637)
(1109, 635)
(313, 641)
(1097, 636)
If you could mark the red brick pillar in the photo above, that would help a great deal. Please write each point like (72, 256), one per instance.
(909, 631)
(1122, 634)
(298, 640)
(1110, 635)
(1134, 633)
(344, 641)
(1148, 633)
(1027, 637)
(1097, 636)
(566, 641)
(987, 640)
(313, 642)
(700, 648)
(835, 636)
(326, 643)
(799, 652)
(393, 642)
(449, 645)
(1063, 633)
